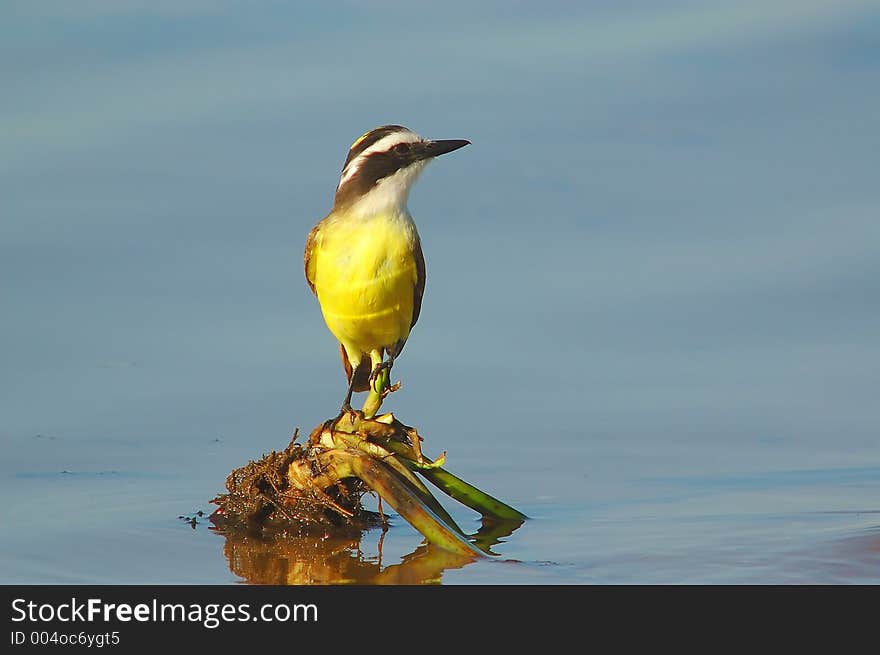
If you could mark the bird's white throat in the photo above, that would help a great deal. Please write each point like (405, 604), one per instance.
(390, 194)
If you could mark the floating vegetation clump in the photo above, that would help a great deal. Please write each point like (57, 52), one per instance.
(286, 493)
(317, 486)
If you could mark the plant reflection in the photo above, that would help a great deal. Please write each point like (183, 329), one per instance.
(338, 559)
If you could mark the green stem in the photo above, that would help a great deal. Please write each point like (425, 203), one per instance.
(374, 399)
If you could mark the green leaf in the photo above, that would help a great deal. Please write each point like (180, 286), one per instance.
(455, 487)
(405, 500)
(468, 494)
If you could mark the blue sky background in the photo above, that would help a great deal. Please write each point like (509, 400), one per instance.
(665, 232)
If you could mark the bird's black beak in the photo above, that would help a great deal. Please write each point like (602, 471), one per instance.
(436, 148)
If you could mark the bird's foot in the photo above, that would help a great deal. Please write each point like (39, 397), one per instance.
(347, 411)
(381, 366)
(377, 371)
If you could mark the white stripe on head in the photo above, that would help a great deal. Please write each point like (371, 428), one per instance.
(382, 145)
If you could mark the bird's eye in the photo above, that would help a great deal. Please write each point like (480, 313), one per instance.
(401, 148)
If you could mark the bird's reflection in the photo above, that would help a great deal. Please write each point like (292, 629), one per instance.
(328, 559)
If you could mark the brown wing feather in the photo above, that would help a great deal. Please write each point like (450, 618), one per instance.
(419, 290)
(308, 265)
(361, 373)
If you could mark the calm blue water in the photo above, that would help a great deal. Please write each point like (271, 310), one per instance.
(653, 303)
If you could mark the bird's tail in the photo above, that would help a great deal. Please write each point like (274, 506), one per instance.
(361, 373)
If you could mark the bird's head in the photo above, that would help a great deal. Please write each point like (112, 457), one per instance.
(382, 166)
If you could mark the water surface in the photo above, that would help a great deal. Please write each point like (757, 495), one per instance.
(651, 314)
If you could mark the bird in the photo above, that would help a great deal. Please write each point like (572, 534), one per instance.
(363, 261)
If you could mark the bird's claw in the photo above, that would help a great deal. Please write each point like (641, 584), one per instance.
(377, 371)
(347, 411)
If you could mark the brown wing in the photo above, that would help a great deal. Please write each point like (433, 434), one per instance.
(419, 291)
(361, 373)
(308, 262)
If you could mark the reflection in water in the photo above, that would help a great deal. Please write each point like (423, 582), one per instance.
(338, 559)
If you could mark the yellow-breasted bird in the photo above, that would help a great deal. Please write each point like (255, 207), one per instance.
(364, 260)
